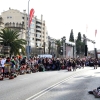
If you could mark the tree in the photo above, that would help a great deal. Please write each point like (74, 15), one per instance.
(10, 38)
(78, 43)
(71, 38)
(83, 44)
(58, 43)
(79, 36)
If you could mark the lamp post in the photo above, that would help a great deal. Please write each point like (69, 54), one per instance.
(28, 40)
(37, 49)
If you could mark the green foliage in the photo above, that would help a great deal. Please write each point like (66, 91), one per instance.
(80, 44)
(83, 44)
(10, 38)
(79, 37)
(71, 38)
(58, 43)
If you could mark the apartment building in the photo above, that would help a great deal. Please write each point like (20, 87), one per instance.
(40, 37)
(19, 20)
(1, 23)
(16, 20)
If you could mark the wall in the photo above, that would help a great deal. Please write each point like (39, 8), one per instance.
(69, 52)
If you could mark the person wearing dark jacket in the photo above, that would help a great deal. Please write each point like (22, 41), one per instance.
(74, 65)
(58, 64)
(69, 65)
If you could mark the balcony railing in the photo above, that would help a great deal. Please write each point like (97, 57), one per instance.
(38, 24)
(39, 29)
(15, 25)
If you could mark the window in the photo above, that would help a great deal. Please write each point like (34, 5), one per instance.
(32, 25)
(9, 17)
(33, 20)
(23, 23)
(22, 17)
(37, 35)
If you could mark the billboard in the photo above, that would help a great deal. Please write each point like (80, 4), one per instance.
(69, 51)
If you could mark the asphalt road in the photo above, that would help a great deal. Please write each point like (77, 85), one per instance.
(51, 85)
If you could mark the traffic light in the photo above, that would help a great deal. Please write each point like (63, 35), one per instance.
(86, 50)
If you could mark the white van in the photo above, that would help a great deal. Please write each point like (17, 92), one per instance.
(45, 56)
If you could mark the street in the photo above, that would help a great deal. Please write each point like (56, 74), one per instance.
(52, 85)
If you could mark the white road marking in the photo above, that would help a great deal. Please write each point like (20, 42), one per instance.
(37, 95)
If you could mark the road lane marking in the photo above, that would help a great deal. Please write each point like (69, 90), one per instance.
(37, 95)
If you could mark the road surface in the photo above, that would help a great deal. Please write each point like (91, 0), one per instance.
(51, 85)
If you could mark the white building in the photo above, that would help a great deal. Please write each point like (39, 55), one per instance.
(19, 20)
(1, 23)
(16, 19)
(39, 35)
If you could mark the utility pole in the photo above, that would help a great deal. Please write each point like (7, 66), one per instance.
(86, 48)
(44, 47)
(28, 44)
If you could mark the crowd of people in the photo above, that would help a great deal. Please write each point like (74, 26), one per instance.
(11, 67)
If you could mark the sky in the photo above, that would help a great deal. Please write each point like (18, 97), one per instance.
(63, 15)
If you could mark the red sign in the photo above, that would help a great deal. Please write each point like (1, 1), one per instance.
(31, 16)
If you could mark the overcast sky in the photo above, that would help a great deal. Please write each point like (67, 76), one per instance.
(63, 15)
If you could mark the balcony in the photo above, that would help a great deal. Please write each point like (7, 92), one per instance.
(39, 29)
(38, 24)
(38, 33)
(38, 37)
(15, 25)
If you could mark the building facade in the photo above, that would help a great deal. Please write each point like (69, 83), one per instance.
(1, 23)
(16, 20)
(38, 37)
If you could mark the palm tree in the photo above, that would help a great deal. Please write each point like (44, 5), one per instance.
(9, 37)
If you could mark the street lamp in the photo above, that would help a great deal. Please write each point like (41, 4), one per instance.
(37, 50)
(28, 51)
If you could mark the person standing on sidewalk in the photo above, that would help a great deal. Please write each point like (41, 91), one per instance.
(3, 60)
(95, 63)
